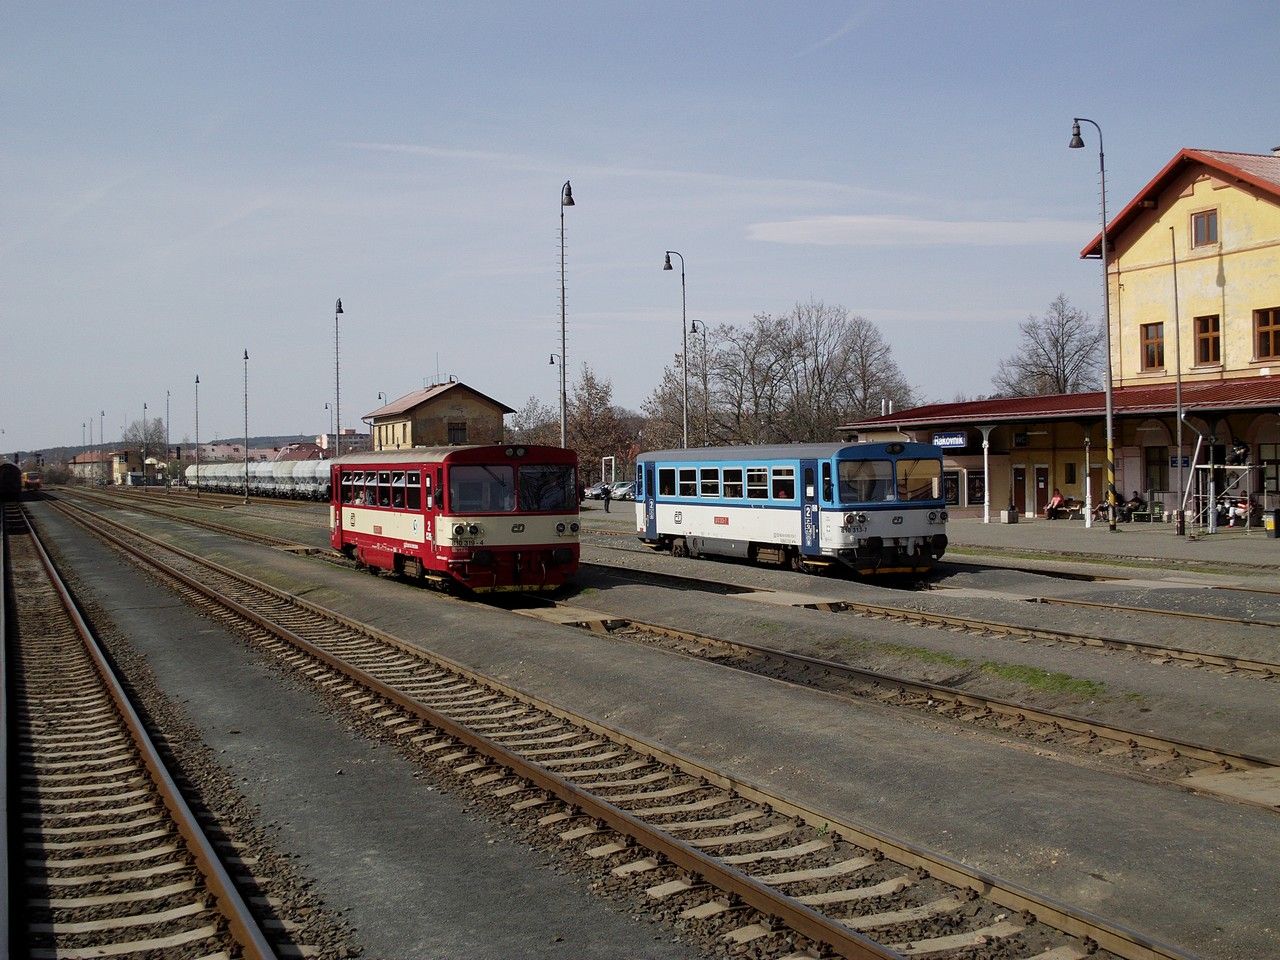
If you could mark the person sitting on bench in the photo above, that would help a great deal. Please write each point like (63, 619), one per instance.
(1135, 504)
(1054, 506)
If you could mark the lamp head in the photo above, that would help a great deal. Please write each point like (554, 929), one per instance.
(566, 195)
(666, 264)
(551, 360)
(246, 356)
(197, 378)
(1076, 141)
(338, 307)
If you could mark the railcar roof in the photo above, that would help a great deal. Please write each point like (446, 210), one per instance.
(779, 451)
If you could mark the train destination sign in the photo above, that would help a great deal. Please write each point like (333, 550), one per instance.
(951, 441)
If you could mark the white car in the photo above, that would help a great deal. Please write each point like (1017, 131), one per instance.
(623, 490)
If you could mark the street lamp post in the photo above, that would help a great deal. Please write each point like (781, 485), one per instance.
(684, 340)
(246, 426)
(329, 407)
(168, 450)
(695, 327)
(566, 200)
(197, 436)
(102, 418)
(145, 449)
(337, 383)
(1075, 144)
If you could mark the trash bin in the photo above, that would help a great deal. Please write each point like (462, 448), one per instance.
(1271, 523)
(1179, 523)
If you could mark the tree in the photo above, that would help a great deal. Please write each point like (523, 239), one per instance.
(535, 423)
(146, 435)
(1060, 352)
(596, 428)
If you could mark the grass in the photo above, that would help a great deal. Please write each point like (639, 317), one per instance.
(925, 655)
(1043, 680)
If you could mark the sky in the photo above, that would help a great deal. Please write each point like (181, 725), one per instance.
(183, 182)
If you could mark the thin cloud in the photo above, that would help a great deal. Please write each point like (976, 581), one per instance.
(876, 230)
(853, 21)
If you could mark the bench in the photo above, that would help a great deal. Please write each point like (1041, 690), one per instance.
(1069, 510)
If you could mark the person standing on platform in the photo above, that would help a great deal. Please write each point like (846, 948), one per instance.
(604, 495)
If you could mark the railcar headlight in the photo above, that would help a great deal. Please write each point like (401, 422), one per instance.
(849, 518)
(573, 527)
(459, 529)
(474, 529)
(862, 518)
(559, 528)
(933, 516)
(944, 516)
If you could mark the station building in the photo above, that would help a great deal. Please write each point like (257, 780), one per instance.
(443, 414)
(1194, 283)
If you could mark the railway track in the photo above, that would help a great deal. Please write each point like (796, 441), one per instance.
(1196, 766)
(752, 867)
(113, 859)
(1160, 652)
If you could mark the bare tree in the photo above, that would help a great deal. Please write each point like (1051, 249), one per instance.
(146, 435)
(1060, 352)
(535, 423)
(596, 428)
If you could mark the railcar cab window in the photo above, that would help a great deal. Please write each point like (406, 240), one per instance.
(482, 489)
(757, 483)
(784, 483)
(688, 482)
(919, 479)
(710, 482)
(732, 483)
(667, 482)
(547, 487)
(865, 481)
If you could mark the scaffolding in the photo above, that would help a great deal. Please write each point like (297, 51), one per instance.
(1222, 494)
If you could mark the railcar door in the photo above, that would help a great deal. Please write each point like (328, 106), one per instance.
(809, 526)
(648, 481)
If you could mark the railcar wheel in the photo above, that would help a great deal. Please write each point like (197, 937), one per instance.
(799, 565)
(679, 547)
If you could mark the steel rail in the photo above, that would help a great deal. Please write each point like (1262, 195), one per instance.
(8, 943)
(250, 535)
(835, 605)
(1117, 938)
(231, 905)
(797, 916)
(1010, 708)
(1183, 614)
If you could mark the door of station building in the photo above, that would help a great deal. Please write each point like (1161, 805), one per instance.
(1042, 489)
(1020, 489)
(1097, 487)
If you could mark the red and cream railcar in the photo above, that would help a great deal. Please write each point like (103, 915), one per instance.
(486, 517)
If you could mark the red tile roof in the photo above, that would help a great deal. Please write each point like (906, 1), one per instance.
(1247, 393)
(1260, 170)
(411, 400)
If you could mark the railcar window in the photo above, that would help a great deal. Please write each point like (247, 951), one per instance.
(348, 488)
(784, 483)
(547, 487)
(865, 481)
(710, 482)
(384, 489)
(826, 483)
(757, 483)
(397, 490)
(413, 491)
(919, 479)
(667, 482)
(733, 483)
(482, 489)
(370, 489)
(688, 482)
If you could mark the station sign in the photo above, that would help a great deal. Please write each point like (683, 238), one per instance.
(955, 440)
(1173, 462)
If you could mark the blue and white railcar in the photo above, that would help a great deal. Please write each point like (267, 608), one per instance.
(876, 508)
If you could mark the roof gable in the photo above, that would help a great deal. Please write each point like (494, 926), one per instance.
(1258, 170)
(409, 401)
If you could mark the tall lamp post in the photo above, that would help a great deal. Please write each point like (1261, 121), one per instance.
(337, 385)
(1075, 144)
(102, 419)
(566, 200)
(329, 407)
(197, 436)
(246, 426)
(695, 327)
(168, 450)
(684, 340)
(145, 449)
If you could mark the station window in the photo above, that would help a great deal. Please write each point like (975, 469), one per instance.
(688, 482)
(1152, 346)
(413, 491)
(457, 433)
(1069, 474)
(757, 483)
(733, 483)
(1204, 228)
(667, 482)
(709, 482)
(1208, 339)
(1266, 324)
(784, 483)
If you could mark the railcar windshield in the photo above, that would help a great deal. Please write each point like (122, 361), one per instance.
(866, 481)
(547, 487)
(482, 489)
(919, 479)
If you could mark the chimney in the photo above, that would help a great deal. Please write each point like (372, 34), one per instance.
(1275, 151)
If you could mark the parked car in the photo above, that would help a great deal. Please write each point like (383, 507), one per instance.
(623, 490)
(594, 492)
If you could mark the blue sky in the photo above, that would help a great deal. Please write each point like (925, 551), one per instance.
(185, 181)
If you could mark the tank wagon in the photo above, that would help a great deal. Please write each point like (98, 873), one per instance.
(10, 482)
(487, 518)
(293, 479)
(875, 508)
